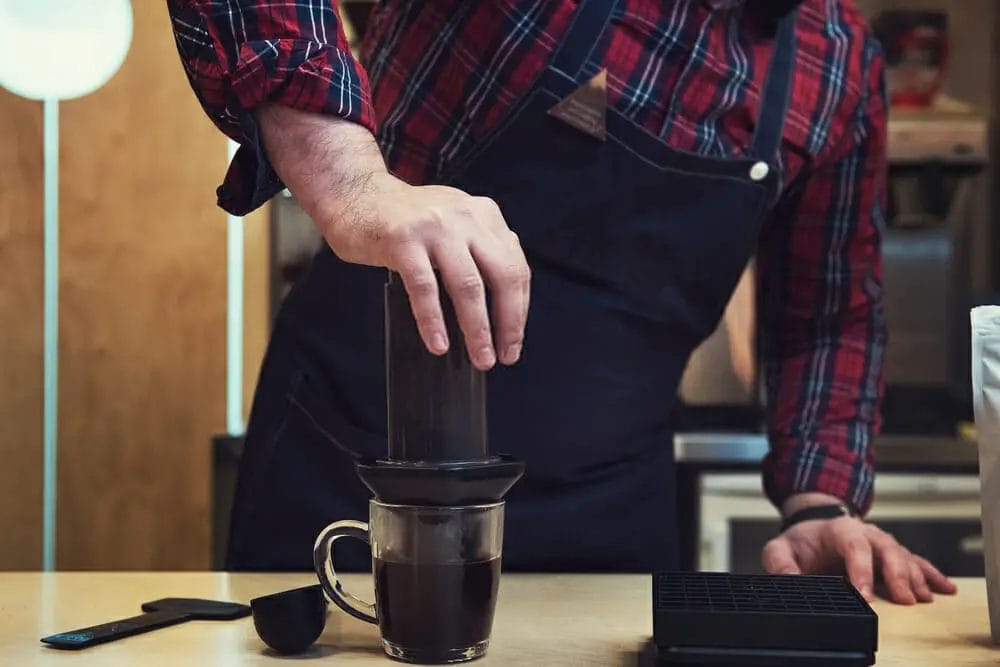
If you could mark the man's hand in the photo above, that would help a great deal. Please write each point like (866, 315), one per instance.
(368, 216)
(860, 549)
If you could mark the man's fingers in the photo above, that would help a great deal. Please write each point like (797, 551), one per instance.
(467, 290)
(778, 557)
(853, 547)
(894, 562)
(937, 581)
(506, 271)
(527, 286)
(422, 286)
(918, 583)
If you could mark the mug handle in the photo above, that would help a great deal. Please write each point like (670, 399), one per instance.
(323, 562)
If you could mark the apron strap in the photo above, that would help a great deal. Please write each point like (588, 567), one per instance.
(592, 16)
(588, 23)
(777, 91)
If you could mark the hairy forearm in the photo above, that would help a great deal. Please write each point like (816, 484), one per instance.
(325, 161)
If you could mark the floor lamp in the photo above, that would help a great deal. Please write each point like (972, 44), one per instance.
(52, 50)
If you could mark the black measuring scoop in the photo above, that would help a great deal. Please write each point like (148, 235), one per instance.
(289, 622)
(159, 614)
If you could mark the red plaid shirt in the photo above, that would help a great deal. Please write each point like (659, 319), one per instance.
(443, 72)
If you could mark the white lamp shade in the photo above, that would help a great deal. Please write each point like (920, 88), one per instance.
(61, 49)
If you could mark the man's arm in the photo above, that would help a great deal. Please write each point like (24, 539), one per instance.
(279, 78)
(369, 216)
(240, 54)
(823, 330)
(821, 308)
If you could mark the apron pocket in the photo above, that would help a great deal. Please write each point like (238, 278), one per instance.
(549, 194)
(305, 480)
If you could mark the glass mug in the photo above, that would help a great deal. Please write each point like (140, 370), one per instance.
(436, 569)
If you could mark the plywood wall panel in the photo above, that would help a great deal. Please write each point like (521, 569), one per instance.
(142, 315)
(20, 332)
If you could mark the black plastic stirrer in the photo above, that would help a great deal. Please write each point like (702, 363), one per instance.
(159, 614)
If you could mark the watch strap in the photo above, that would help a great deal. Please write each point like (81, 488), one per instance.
(833, 511)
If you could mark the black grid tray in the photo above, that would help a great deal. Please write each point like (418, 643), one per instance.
(753, 615)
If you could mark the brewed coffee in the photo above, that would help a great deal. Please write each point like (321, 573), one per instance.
(436, 608)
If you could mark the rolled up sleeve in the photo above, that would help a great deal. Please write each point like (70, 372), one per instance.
(239, 54)
(824, 325)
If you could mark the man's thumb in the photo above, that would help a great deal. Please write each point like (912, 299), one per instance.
(778, 557)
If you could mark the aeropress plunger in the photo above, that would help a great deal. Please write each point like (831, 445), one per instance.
(438, 445)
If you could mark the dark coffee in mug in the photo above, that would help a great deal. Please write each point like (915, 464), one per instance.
(431, 607)
(437, 574)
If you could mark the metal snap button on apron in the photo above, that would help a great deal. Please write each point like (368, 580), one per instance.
(759, 171)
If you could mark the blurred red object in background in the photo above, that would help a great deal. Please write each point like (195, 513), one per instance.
(916, 51)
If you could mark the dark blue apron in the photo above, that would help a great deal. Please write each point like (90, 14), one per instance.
(635, 249)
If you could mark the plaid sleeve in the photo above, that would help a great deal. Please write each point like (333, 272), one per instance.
(240, 53)
(821, 312)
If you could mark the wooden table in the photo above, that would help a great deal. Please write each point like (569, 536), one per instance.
(554, 620)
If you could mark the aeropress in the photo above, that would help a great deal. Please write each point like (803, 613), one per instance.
(436, 517)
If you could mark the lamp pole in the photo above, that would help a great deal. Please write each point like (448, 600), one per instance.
(234, 317)
(50, 290)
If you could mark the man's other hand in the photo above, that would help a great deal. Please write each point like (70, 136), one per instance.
(863, 551)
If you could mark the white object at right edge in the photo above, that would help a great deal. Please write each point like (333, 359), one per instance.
(986, 401)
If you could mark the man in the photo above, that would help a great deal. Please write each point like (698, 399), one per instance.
(633, 154)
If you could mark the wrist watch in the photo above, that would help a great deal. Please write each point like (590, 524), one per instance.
(832, 511)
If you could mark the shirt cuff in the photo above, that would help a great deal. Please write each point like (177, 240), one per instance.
(807, 469)
(299, 74)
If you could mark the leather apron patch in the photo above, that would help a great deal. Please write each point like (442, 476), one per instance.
(586, 108)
